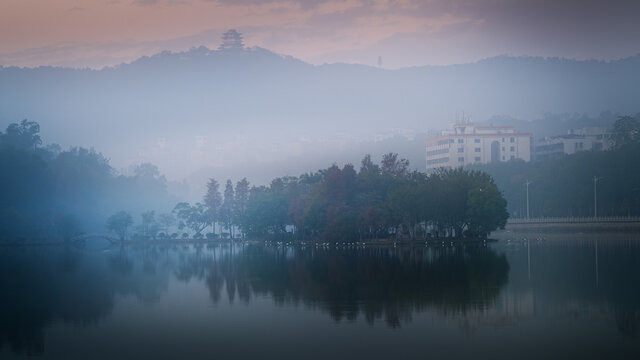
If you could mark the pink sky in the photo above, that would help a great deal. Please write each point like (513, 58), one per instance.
(95, 33)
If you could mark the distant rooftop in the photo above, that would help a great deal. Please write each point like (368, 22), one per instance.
(469, 128)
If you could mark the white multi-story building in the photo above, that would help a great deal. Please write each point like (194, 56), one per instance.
(469, 144)
(600, 137)
(550, 147)
(585, 139)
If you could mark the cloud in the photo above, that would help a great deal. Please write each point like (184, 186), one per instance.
(70, 55)
(159, 2)
(433, 31)
(100, 54)
(146, 2)
(303, 4)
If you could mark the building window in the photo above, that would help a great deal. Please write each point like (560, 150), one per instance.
(477, 158)
(437, 161)
(476, 149)
(512, 148)
(477, 141)
(461, 159)
(502, 139)
(460, 149)
(512, 139)
(512, 157)
(460, 141)
(451, 141)
(437, 152)
(503, 158)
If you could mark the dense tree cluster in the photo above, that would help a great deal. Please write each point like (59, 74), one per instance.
(46, 192)
(626, 130)
(376, 202)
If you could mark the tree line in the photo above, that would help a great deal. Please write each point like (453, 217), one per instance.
(342, 204)
(52, 193)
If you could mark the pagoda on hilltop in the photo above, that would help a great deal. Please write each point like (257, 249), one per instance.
(231, 40)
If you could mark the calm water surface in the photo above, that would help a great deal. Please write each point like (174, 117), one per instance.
(563, 296)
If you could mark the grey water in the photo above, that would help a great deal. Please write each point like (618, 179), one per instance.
(566, 296)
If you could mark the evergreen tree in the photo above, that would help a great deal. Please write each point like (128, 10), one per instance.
(241, 200)
(213, 201)
(227, 207)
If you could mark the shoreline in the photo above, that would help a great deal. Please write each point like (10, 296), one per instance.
(604, 227)
(376, 242)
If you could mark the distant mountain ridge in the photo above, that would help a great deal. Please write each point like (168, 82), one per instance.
(262, 96)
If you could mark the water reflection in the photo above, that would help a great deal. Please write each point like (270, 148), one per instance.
(581, 275)
(377, 283)
(524, 285)
(42, 286)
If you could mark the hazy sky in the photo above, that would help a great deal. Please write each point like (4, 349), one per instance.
(95, 33)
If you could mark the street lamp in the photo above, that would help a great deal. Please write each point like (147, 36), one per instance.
(595, 195)
(527, 184)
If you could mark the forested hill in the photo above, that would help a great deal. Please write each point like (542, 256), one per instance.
(200, 92)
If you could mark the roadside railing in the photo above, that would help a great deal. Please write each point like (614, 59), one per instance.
(575, 220)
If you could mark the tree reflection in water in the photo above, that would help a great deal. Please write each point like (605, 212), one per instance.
(44, 286)
(387, 283)
(40, 287)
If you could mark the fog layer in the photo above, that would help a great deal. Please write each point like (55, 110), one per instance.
(259, 114)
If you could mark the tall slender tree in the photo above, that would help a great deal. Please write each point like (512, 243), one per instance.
(213, 201)
(241, 201)
(227, 208)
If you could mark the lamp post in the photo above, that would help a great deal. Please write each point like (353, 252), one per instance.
(595, 196)
(527, 185)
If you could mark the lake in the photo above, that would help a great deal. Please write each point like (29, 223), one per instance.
(566, 295)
